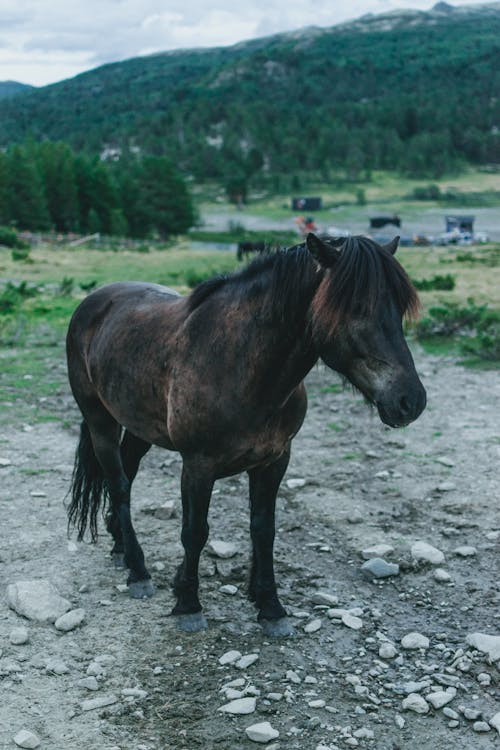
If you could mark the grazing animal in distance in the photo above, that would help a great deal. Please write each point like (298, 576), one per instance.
(217, 375)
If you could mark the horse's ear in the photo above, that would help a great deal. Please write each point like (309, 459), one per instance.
(325, 254)
(392, 246)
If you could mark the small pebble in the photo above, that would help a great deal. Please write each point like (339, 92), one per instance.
(294, 484)
(378, 550)
(446, 487)
(321, 597)
(70, 620)
(247, 661)
(317, 703)
(57, 666)
(230, 657)
(240, 706)
(89, 683)
(18, 636)
(414, 641)
(229, 589)
(387, 650)
(377, 567)
(465, 551)
(441, 575)
(312, 626)
(495, 722)
(350, 621)
(101, 702)
(441, 697)
(481, 726)
(427, 553)
(415, 702)
(222, 549)
(262, 732)
(26, 739)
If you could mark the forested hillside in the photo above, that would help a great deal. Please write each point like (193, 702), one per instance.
(413, 91)
(12, 88)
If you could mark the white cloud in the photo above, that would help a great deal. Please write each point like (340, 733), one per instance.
(47, 40)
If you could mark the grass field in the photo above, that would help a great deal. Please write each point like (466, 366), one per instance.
(34, 319)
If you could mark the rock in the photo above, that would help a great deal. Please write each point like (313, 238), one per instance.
(399, 721)
(135, 692)
(38, 493)
(465, 551)
(355, 517)
(321, 597)
(89, 683)
(312, 626)
(384, 474)
(484, 679)
(292, 676)
(440, 698)
(101, 702)
(274, 696)
(229, 589)
(222, 549)
(262, 732)
(3, 463)
(387, 650)
(450, 713)
(26, 739)
(405, 688)
(487, 644)
(363, 734)
(70, 620)
(416, 703)
(445, 461)
(19, 636)
(427, 553)
(247, 661)
(317, 703)
(471, 714)
(378, 550)
(446, 487)
(230, 657)
(294, 484)
(453, 724)
(481, 726)
(56, 666)
(495, 722)
(441, 575)
(36, 600)
(414, 641)
(239, 706)
(377, 567)
(350, 621)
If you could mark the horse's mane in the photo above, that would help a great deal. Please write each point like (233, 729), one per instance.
(359, 279)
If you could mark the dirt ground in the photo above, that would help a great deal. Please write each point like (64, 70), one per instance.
(364, 484)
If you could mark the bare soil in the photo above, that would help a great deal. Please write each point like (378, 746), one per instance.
(322, 526)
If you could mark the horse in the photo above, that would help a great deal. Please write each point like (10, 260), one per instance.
(247, 247)
(218, 375)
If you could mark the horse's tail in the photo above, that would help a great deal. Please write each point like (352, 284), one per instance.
(88, 487)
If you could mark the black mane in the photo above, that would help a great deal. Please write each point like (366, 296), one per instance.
(360, 278)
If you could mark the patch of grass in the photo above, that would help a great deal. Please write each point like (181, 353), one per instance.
(335, 426)
(443, 283)
(333, 388)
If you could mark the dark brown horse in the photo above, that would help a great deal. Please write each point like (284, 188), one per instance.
(218, 376)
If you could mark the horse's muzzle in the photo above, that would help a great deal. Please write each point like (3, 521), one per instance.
(404, 409)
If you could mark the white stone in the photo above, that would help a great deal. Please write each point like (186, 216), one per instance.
(442, 575)
(89, 683)
(292, 676)
(399, 721)
(312, 626)
(38, 493)
(229, 589)
(387, 650)
(321, 597)
(239, 706)
(415, 702)
(26, 739)
(445, 461)
(36, 600)
(57, 666)
(446, 487)
(294, 484)
(101, 702)
(70, 620)
(488, 644)
(378, 550)
(262, 732)
(336, 613)
(134, 692)
(274, 696)
(222, 549)
(481, 726)
(5, 462)
(350, 621)
(484, 679)
(230, 657)
(18, 636)
(317, 703)
(414, 640)
(495, 722)
(465, 551)
(427, 553)
(363, 733)
(247, 661)
(441, 697)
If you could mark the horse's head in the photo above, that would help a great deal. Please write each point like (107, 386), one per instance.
(357, 315)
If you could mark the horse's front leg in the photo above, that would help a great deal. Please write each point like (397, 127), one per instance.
(196, 489)
(264, 485)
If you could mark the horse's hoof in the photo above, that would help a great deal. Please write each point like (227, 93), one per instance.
(280, 628)
(141, 589)
(192, 623)
(118, 560)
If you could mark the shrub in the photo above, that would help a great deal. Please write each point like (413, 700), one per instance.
(13, 295)
(450, 319)
(9, 238)
(442, 283)
(427, 193)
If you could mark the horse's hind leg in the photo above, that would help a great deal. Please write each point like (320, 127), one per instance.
(196, 489)
(264, 485)
(105, 433)
(132, 450)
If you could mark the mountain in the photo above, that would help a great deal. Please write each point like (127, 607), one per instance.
(12, 88)
(413, 90)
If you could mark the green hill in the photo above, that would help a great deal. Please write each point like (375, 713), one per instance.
(414, 91)
(12, 88)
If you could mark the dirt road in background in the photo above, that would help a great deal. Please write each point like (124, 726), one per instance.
(329, 686)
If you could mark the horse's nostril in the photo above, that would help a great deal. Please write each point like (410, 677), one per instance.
(404, 405)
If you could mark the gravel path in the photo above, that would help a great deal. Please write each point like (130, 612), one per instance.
(122, 678)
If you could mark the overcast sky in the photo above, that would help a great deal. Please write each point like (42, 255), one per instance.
(43, 41)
